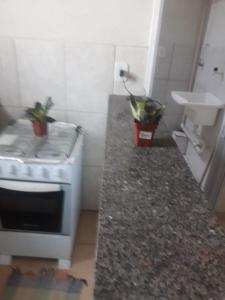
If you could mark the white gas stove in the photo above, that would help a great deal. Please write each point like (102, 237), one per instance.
(40, 180)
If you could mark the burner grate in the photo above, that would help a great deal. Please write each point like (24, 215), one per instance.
(58, 144)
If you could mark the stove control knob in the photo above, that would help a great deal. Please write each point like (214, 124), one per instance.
(13, 170)
(45, 173)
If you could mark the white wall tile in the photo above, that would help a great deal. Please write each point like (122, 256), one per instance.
(89, 75)
(117, 22)
(182, 62)
(41, 71)
(14, 112)
(172, 108)
(159, 90)
(202, 75)
(94, 125)
(172, 122)
(199, 82)
(91, 182)
(214, 82)
(135, 57)
(58, 115)
(181, 20)
(216, 24)
(9, 91)
(163, 64)
(206, 77)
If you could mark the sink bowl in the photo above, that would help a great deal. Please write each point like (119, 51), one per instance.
(200, 108)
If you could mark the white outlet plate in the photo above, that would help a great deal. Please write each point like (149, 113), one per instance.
(120, 66)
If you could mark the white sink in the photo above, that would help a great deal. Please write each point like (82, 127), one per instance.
(200, 108)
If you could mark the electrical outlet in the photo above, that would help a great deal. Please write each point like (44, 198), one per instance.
(120, 66)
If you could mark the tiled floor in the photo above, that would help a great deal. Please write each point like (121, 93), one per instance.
(83, 256)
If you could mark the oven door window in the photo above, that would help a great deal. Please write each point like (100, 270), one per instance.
(31, 211)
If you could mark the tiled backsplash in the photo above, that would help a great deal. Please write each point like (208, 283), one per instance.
(206, 78)
(79, 78)
(9, 87)
(41, 71)
(110, 22)
(89, 72)
(136, 58)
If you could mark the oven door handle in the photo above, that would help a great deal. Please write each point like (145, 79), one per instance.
(22, 186)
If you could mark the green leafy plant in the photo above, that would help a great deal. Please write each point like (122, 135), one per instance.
(40, 112)
(146, 110)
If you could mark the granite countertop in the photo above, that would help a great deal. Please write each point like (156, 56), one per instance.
(156, 237)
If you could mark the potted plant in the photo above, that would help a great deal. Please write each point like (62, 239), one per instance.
(38, 115)
(147, 114)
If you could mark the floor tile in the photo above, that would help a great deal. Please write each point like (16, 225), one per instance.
(34, 264)
(83, 259)
(83, 267)
(87, 229)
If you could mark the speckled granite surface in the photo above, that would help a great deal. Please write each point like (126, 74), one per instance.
(156, 238)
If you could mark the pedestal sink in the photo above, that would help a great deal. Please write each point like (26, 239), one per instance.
(200, 108)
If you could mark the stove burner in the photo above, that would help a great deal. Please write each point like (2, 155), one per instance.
(58, 144)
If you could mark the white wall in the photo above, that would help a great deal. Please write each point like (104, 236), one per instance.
(98, 21)
(178, 38)
(212, 55)
(67, 50)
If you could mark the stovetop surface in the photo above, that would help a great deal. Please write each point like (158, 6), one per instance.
(19, 141)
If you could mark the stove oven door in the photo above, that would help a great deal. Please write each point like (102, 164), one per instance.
(32, 206)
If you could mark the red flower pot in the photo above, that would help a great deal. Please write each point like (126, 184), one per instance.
(39, 128)
(143, 134)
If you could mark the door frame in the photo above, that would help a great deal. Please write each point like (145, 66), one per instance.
(154, 35)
